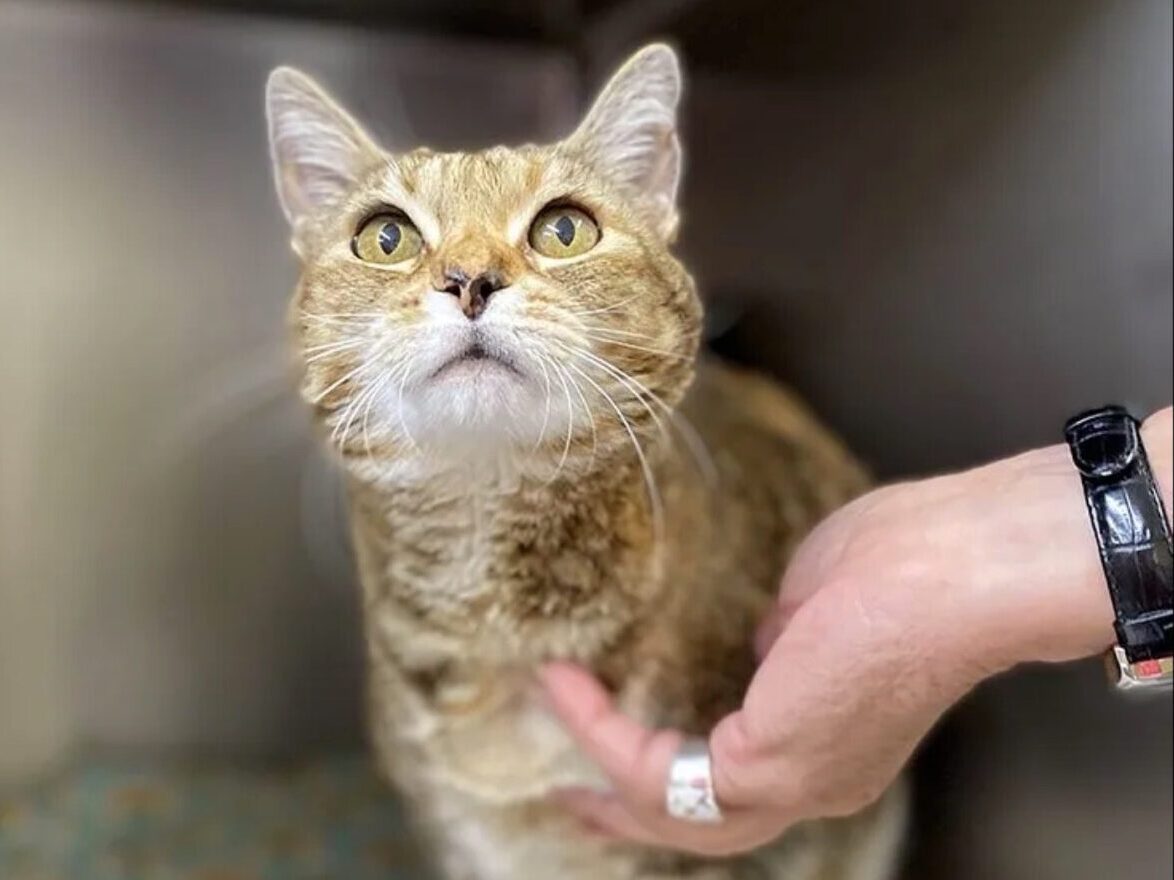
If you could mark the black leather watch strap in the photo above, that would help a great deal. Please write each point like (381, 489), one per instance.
(1131, 529)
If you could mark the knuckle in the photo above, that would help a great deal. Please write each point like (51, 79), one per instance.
(851, 798)
(733, 754)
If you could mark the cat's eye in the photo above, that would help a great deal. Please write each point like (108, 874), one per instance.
(386, 239)
(563, 232)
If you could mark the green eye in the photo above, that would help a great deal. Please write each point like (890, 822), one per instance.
(563, 232)
(386, 239)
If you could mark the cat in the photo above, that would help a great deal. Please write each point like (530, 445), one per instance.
(503, 352)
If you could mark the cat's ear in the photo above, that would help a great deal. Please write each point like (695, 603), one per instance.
(319, 152)
(630, 133)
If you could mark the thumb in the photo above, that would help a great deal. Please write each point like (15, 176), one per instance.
(769, 630)
(636, 759)
(773, 624)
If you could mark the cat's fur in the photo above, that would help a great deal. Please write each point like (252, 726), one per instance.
(590, 496)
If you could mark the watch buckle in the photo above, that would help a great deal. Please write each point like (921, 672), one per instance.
(1139, 675)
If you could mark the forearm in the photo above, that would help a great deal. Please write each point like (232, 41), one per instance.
(1038, 591)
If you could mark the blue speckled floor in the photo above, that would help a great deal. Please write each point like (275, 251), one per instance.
(325, 820)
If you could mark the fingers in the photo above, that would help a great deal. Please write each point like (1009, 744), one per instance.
(605, 815)
(768, 631)
(636, 759)
(609, 816)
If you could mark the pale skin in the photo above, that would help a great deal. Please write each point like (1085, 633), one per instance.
(890, 612)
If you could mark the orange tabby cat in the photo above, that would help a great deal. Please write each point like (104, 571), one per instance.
(503, 351)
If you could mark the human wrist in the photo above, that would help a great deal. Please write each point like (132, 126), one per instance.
(1046, 598)
(1157, 434)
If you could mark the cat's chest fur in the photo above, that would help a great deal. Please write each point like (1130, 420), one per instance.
(466, 593)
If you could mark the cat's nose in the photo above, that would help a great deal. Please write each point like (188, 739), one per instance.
(473, 291)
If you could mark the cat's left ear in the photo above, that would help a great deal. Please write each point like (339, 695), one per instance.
(630, 133)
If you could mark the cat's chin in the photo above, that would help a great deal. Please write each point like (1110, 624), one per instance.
(482, 403)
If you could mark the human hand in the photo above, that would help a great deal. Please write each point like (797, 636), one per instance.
(890, 611)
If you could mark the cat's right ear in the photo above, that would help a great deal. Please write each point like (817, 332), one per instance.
(319, 152)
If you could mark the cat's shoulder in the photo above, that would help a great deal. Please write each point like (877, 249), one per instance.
(726, 401)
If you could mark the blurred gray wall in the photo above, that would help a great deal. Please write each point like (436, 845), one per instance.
(948, 246)
(173, 575)
(957, 239)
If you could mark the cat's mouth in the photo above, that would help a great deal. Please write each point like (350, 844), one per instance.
(475, 359)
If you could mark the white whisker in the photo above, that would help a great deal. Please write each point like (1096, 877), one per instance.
(328, 353)
(631, 333)
(343, 421)
(348, 416)
(346, 377)
(655, 504)
(342, 424)
(590, 415)
(407, 369)
(377, 389)
(692, 437)
(340, 317)
(334, 344)
(609, 308)
(625, 380)
(656, 351)
(537, 356)
(696, 443)
(570, 424)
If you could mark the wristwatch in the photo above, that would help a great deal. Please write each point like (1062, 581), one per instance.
(1133, 537)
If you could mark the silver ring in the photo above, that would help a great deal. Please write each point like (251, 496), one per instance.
(689, 795)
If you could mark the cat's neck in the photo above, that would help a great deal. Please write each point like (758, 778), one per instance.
(484, 553)
(502, 473)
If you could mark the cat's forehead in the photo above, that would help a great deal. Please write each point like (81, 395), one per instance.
(492, 184)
